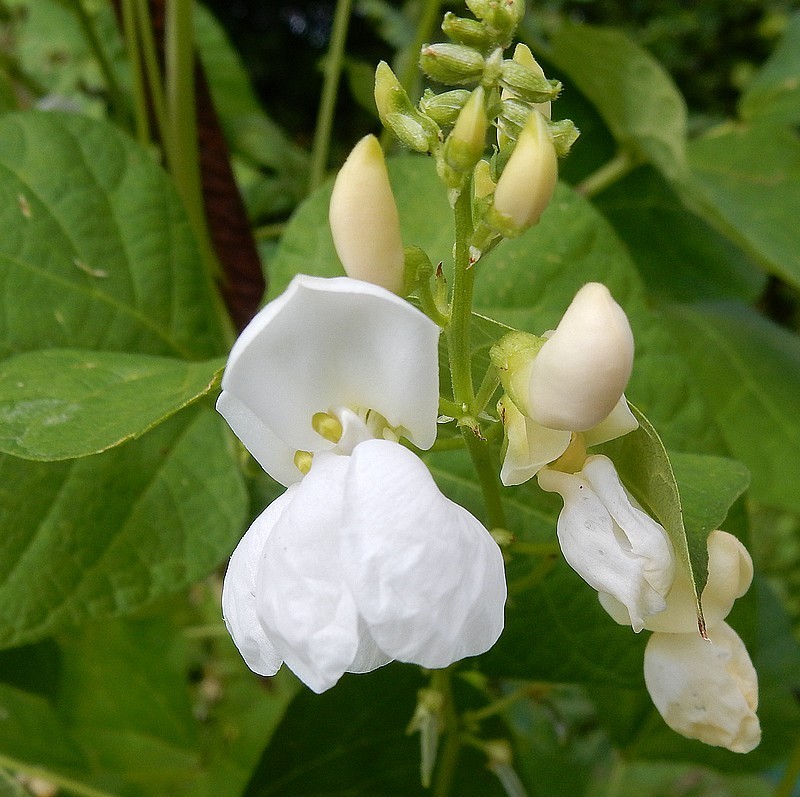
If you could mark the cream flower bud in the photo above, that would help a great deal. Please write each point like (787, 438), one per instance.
(467, 141)
(581, 371)
(364, 220)
(452, 64)
(528, 181)
(705, 690)
(730, 572)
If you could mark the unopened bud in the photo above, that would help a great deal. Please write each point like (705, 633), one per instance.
(451, 64)
(444, 108)
(582, 369)
(528, 181)
(418, 266)
(466, 143)
(398, 114)
(564, 135)
(482, 183)
(501, 17)
(364, 221)
(528, 83)
(466, 31)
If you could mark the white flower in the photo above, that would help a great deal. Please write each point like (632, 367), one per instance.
(362, 560)
(572, 382)
(730, 572)
(325, 345)
(364, 221)
(613, 545)
(706, 690)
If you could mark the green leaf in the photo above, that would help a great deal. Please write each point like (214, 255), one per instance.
(95, 247)
(108, 534)
(351, 742)
(63, 403)
(744, 181)
(773, 94)
(633, 93)
(678, 254)
(749, 372)
(645, 469)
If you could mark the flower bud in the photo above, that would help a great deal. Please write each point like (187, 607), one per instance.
(501, 17)
(706, 690)
(529, 83)
(451, 64)
(581, 371)
(564, 135)
(467, 141)
(363, 218)
(398, 114)
(444, 108)
(528, 181)
(469, 32)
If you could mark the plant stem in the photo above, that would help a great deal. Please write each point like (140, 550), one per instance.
(116, 98)
(608, 174)
(132, 45)
(485, 392)
(152, 73)
(448, 758)
(327, 106)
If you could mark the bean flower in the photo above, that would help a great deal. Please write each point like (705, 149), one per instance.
(362, 560)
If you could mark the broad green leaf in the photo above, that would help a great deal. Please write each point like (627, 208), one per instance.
(351, 742)
(749, 371)
(745, 181)
(96, 251)
(646, 471)
(773, 94)
(108, 534)
(633, 93)
(677, 253)
(65, 403)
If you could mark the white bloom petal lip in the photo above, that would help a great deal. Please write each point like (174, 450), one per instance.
(581, 371)
(619, 422)
(705, 690)
(730, 572)
(364, 221)
(362, 562)
(614, 546)
(428, 578)
(323, 344)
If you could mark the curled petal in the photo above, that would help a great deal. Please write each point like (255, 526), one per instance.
(428, 578)
(619, 422)
(328, 343)
(239, 592)
(706, 691)
(611, 544)
(530, 446)
(581, 371)
(730, 571)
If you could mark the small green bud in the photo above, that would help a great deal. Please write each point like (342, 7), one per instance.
(501, 17)
(453, 64)
(466, 31)
(398, 114)
(466, 143)
(482, 182)
(418, 266)
(564, 135)
(443, 108)
(527, 84)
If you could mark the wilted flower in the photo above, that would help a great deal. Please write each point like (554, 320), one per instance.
(362, 560)
(613, 545)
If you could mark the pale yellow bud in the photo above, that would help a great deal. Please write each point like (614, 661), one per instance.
(467, 141)
(528, 181)
(581, 371)
(363, 217)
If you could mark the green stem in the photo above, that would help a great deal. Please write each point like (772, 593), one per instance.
(487, 476)
(152, 73)
(536, 575)
(485, 392)
(116, 98)
(428, 304)
(132, 45)
(791, 775)
(497, 706)
(608, 174)
(448, 758)
(327, 106)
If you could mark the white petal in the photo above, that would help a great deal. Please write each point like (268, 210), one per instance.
(705, 690)
(302, 601)
(428, 578)
(601, 551)
(619, 422)
(328, 343)
(730, 571)
(239, 592)
(581, 371)
(530, 446)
